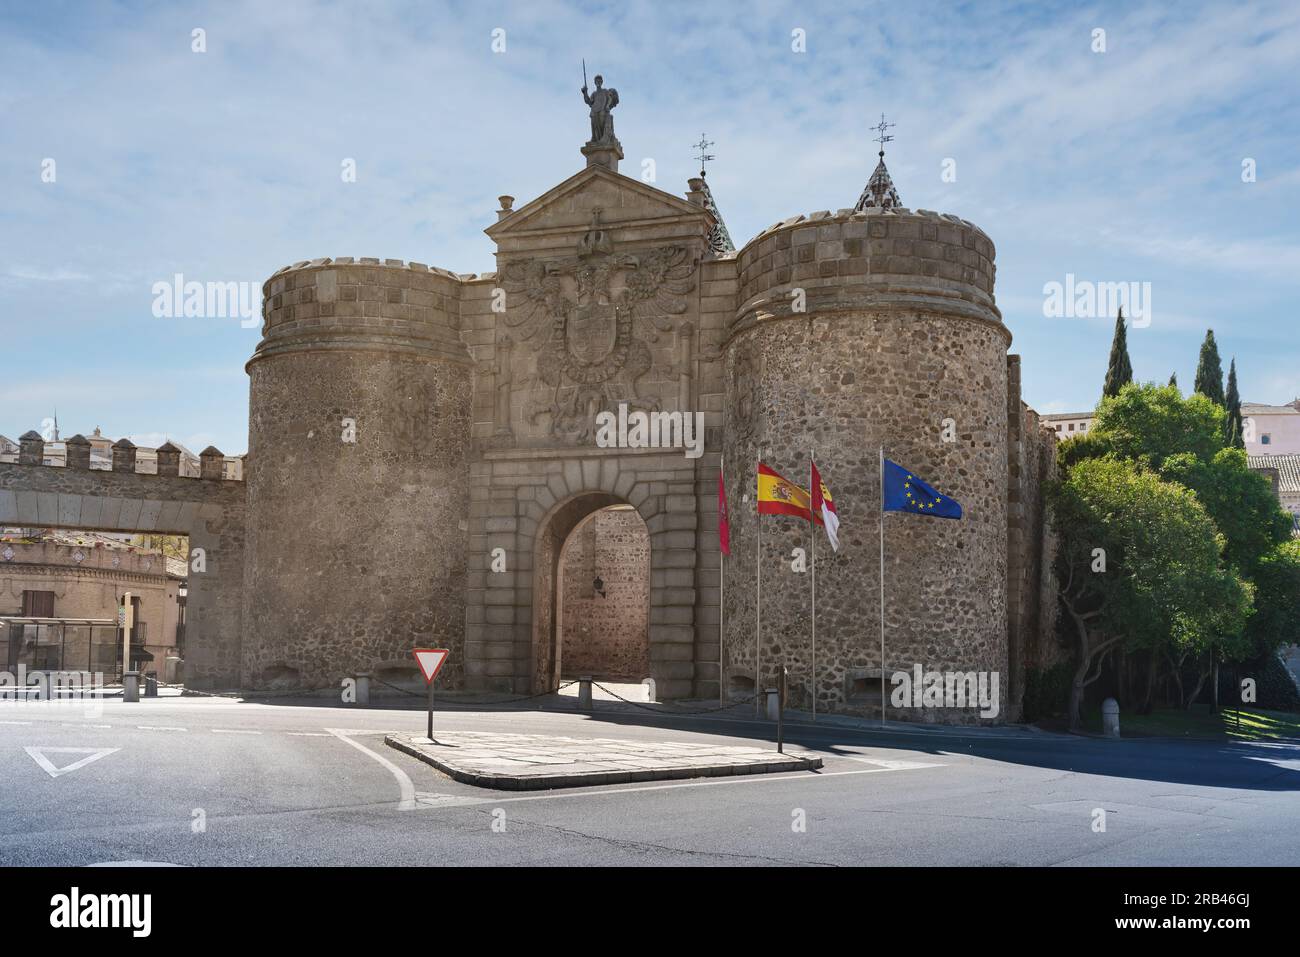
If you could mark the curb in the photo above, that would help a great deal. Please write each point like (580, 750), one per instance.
(512, 782)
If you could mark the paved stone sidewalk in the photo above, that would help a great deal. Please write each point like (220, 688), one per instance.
(527, 762)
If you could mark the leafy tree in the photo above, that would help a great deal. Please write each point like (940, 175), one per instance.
(1149, 423)
(1138, 567)
(1241, 503)
(1119, 372)
(1277, 598)
(1232, 431)
(1209, 370)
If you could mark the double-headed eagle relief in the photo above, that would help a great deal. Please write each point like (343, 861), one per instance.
(591, 310)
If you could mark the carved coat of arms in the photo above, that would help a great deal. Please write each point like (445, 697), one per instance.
(584, 314)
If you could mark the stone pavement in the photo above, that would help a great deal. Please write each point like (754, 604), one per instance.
(527, 762)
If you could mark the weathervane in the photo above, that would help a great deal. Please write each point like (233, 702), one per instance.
(703, 156)
(883, 138)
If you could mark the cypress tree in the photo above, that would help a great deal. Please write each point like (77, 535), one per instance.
(1119, 372)
(1173, 379)
(1209, 370)
(1233, 425)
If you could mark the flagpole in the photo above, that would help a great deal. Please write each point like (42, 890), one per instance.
(758, 595)
(882, 586)
(722, 594)
(812, 532)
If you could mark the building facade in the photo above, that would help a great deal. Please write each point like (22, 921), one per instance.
(427, 467)
(1271, 429)
(72, 576)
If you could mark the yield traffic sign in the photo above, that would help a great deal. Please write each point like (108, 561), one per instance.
(430, 660)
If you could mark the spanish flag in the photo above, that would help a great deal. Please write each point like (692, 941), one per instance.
(777, 496)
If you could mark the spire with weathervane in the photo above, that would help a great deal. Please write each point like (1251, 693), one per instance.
(719, 239)
(880, 188)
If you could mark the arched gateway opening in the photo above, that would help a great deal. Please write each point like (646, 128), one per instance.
(592, 593)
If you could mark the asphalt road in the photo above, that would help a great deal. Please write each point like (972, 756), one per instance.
(215, 782)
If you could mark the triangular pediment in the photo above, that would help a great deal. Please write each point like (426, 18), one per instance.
(568, 208)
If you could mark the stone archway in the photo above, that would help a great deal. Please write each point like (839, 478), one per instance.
(607, 640)
(602, 589)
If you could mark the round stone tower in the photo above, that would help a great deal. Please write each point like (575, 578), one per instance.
(359, 412)
(868, 328)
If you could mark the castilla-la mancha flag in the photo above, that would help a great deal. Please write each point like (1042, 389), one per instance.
(824, 506)
(779, 496)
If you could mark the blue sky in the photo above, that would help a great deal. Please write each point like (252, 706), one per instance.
(225, 165)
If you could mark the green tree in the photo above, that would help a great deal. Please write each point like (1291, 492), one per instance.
(1209, 370)
(1173, 379)
(1232, 430)
(1149, 423)
(1119, 371)
(1138, 568)
(1241, 503)
(1277, 598)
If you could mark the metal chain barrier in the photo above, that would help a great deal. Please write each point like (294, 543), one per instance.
(506, 700)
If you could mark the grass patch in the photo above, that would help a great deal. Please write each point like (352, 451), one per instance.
(1202, 723)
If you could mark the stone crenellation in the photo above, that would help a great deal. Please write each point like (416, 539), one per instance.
(211, 460)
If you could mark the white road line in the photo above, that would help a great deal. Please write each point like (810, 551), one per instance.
(232, 731)
(15, 722)
(67, 725)
(309, 734)
(158, 727)
(404, 783)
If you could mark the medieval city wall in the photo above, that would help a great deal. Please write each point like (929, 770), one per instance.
(210, 511)
(359, 412)
(900, 333)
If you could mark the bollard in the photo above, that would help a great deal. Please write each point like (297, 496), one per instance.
(151, 684)
(773, 704)
(649, 684)
(584, 695)
(131, 686)
(1110, 718)
(363, 690)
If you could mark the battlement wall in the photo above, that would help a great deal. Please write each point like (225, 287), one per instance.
(345, 303)
(887, 258)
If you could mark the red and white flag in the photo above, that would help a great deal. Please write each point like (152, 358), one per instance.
(823, 505)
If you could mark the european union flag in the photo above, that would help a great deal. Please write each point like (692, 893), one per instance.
(904, 492)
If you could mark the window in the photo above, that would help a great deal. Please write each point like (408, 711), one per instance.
(1266, 439)
(38, 604)
(1071, 426)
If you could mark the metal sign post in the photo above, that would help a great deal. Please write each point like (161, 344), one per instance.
(430, 661)
(127, 618)
(780, 710)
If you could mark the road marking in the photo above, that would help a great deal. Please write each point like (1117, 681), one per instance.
(158, 727)
(15, 722)
(69, 725)
(890, 764)
(232, 731)
(309, 734)
(39, 755)
(404, 783)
